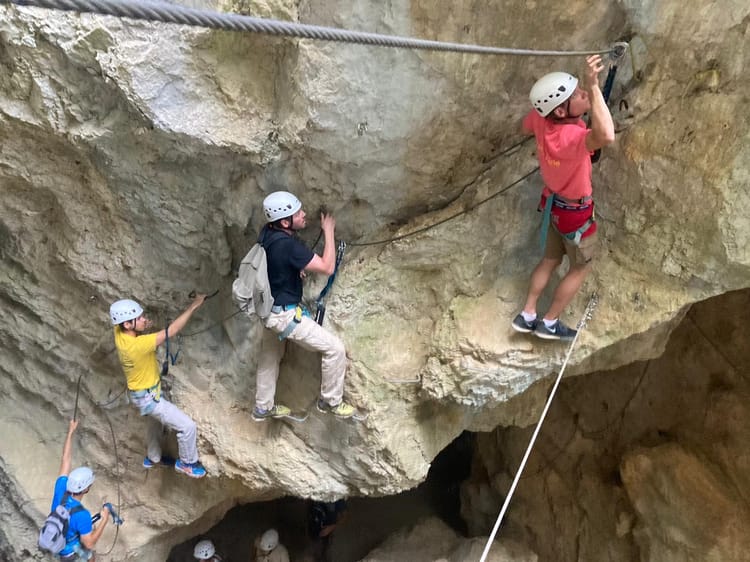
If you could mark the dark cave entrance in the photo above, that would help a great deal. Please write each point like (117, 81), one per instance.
(364, 525)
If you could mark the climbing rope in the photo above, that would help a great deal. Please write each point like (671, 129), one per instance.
(587, 313)
(506, 151)
(117, 482)
(170, 13)
(450, 218)
(117, 459)
(108, 403)
(78, 393)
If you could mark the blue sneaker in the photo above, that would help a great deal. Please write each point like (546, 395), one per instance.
(166, 460)
(558, 331)
(194, 470)
(521, 325)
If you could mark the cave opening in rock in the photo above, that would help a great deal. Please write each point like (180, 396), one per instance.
(366, 521)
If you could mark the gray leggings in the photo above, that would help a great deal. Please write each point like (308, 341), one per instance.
(167, 414)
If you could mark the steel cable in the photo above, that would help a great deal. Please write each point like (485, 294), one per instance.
(170, 13)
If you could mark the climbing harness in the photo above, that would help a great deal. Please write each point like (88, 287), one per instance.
(553, 199)
(320, 307)
(170, 13)
(299, 312)
(585, 317)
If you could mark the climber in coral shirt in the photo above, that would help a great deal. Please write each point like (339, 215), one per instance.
(564, 146)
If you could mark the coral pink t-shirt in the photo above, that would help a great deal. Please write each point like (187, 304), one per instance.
(565, 164)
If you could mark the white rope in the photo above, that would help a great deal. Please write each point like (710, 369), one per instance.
(170, 13)
(581, 324)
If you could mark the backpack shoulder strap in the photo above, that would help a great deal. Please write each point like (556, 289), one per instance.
(64, 500)
(76, 509)
(73, 510)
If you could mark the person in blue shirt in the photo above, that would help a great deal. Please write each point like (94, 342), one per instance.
(70, 487)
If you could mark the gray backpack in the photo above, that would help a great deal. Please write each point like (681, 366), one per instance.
(251, 291)
(55, 527)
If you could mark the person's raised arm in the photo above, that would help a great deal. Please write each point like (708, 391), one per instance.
(326, 263)
(67, 454)
(602, 127)
(180, 322)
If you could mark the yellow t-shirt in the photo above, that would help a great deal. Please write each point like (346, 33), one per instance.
(138, 359)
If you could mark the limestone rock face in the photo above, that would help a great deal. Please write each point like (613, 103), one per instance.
(683, 507)
(646, 462)
(134, 159)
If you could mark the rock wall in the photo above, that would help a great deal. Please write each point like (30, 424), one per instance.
(645, 462)
(135, 156)
(432, 540)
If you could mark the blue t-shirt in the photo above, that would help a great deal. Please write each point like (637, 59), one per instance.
(80, 523)
(286, 257)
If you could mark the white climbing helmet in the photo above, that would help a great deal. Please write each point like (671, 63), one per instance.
(280, 205)
(124, 310)
(204, 550)
(551, 90)
(79, 479)
(269, 540)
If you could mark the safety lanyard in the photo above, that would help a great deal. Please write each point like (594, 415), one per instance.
(168, 356)
(608, 84)
(320, 307)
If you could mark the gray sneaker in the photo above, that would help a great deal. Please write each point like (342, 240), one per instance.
(520, 325)
(278, 411)
(341, 410)
(558, 331)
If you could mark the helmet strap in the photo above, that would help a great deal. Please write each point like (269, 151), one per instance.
(568, 117)
(276, 225)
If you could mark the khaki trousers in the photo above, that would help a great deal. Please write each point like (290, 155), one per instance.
(308, 335)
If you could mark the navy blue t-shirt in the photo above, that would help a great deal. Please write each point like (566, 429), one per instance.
(286, 257)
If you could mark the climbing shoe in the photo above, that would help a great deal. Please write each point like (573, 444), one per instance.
(194, 469)
(558, 331)
(340, 410)
(278, 411)
(521, 325)
(166, 460)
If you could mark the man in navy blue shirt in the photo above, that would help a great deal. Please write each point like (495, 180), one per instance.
(70, 487)
(288, 260)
